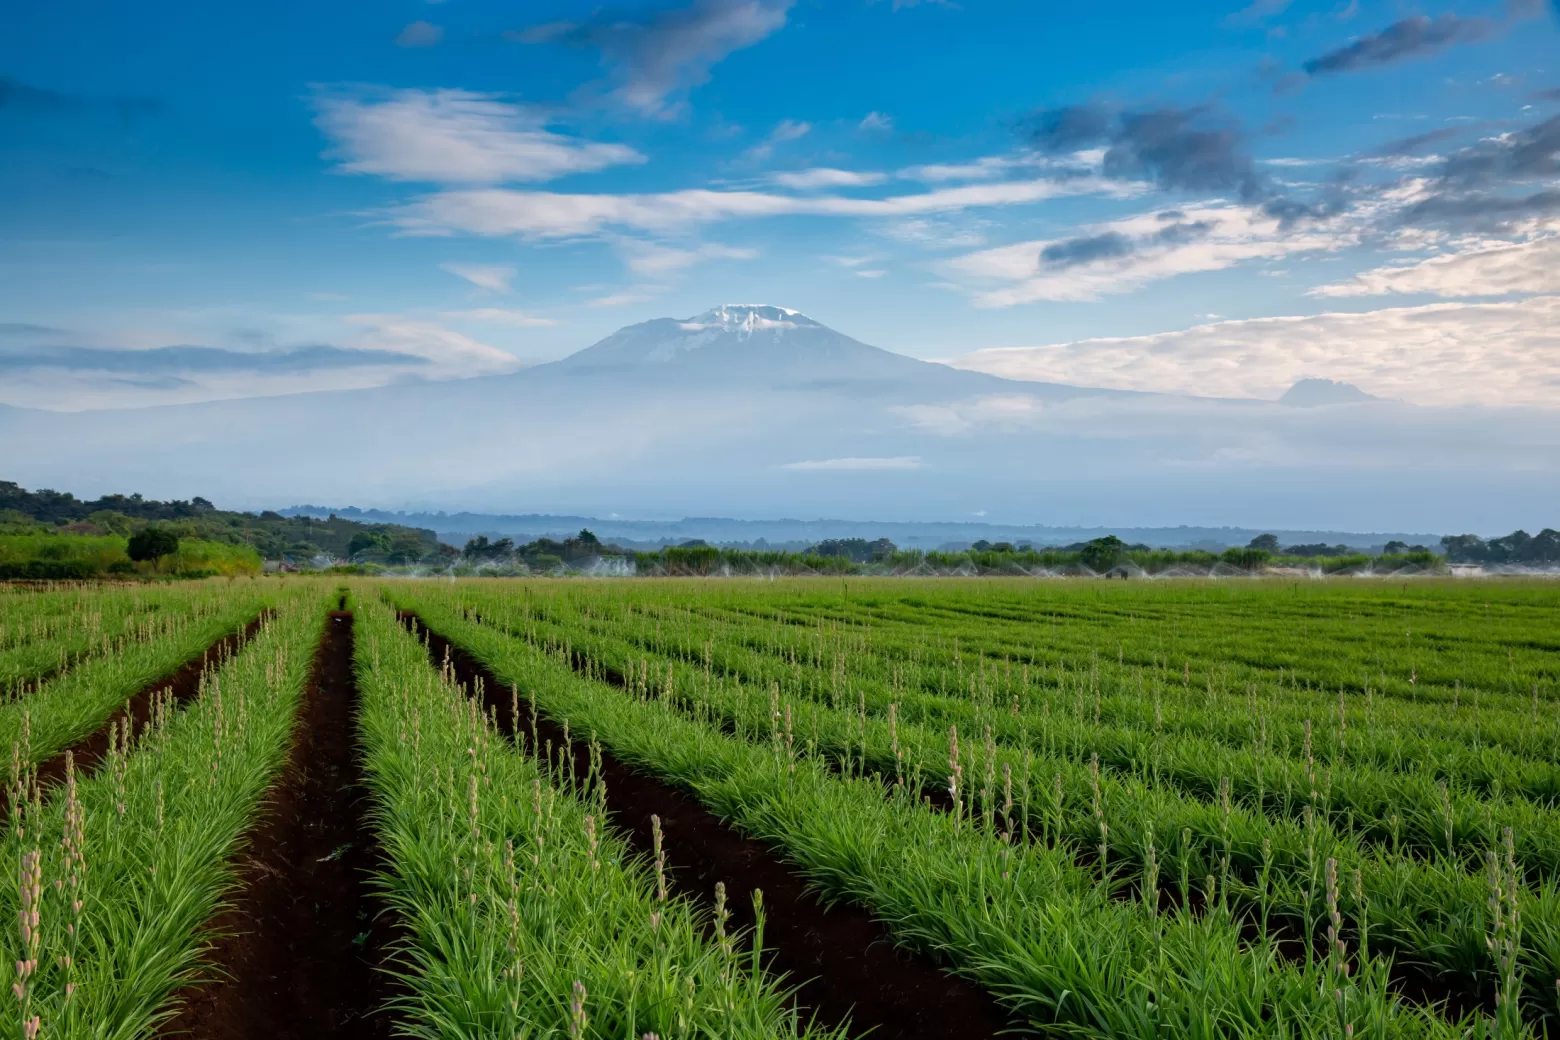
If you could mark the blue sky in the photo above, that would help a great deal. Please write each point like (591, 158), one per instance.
(1125, 195)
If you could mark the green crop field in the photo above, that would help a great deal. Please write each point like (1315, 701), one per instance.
(783, 808)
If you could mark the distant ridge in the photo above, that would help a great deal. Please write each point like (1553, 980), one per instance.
(1315, 393)
(455, 528)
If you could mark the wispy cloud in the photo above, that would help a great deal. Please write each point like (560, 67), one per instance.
(453, 136)
(897, 462)
(492, 277)
(420, 34)
(827, 177)
(656, 58)
(784, 131)
(453, 352)
(625, 298)
(500, 316)
(655, 260)
(1444, 353)
(1257, 12)
(544, 215)
(1412, 37)
(875, 122)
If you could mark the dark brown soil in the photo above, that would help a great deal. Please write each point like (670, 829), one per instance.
(847, 964)
(185, 685)
(298, 953)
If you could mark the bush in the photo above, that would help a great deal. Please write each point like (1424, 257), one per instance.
(151, 543)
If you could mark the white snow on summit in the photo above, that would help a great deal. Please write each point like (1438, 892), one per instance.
(747, 318)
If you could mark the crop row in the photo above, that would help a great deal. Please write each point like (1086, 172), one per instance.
(1024, 920)
(1470, 797)
(528, 915)
(73, 705)
(1432, 911)
(38, 647)
(117, 870)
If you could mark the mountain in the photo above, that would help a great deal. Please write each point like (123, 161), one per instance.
(1315, 393)
(747, 344)
(758, 411)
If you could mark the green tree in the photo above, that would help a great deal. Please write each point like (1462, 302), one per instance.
(1265, 542)
(151, 543)
(1101, 554)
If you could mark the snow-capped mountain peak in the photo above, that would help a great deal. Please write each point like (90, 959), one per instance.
(747, 318)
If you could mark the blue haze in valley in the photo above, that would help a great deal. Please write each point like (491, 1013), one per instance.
(1280, 265)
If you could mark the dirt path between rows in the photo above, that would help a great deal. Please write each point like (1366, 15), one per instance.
(845, 960)
(299, 951)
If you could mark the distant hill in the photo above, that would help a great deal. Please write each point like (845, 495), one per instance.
(456, 528)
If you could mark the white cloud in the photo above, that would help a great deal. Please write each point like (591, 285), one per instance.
(652, 260)
(825, 177)
(500, 316)
(1124, 255)
(627, 298)
(871, 273)
(420, 34)
(454, 353)
(493, 277)
(540, 214)
(784, 131)
(875, 122)
(454, 136)
(1442, 353)
(1527, 267)
(898, 462)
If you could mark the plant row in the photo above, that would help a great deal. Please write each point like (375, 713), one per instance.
(1055, 944)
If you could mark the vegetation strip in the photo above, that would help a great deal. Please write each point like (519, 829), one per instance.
(79, 702)
(117, 873)
(299, 953)
(527, 914)
(180, 688)
(845, 962)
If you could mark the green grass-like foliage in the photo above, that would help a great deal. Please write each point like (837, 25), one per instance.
(1068, 952)
(527, 915)
(111, 875)
(73, 705)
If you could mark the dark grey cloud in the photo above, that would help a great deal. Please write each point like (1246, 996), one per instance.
(1411, 145)
(1408, 38)
(656, 55)
(1178, 149)
(166, 362)
(1482, 209)
(1524, 155)
(1490, 184)
(1109, 245)
(1552, 94)
(1074, 251)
